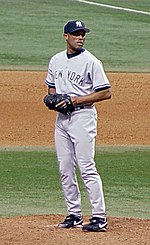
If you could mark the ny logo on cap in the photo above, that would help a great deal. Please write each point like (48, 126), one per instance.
(78, 24)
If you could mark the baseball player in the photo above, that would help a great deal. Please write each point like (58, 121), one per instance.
(78, 73)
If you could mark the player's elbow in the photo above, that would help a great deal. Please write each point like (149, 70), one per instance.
(108, 94)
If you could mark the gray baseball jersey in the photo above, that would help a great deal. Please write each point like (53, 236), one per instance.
(79, 75)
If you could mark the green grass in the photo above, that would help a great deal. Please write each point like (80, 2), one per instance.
(31, 32)
(134, 4)
(30, 183)
(126, 183)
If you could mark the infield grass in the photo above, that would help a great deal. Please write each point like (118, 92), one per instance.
(31, 32)
(30, 183)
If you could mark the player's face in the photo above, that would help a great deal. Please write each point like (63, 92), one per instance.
(75, 40)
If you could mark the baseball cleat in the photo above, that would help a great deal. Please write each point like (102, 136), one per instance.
(71, 221)
(96, 224)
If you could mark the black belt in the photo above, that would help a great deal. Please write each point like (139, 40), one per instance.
(79, 107)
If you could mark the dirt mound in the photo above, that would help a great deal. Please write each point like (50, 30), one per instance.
(42, 230)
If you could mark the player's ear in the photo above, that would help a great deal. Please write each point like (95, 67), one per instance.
(65, 36)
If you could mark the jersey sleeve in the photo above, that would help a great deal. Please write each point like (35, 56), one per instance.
(50, 77)
(99, 78)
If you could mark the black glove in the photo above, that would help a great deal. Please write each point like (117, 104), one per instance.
(51, 100)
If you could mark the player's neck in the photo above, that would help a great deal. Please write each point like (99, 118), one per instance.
(73, 54)
(73, 51)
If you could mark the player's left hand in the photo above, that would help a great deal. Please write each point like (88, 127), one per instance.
(59, 102)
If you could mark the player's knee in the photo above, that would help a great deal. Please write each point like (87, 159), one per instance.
(86, 172)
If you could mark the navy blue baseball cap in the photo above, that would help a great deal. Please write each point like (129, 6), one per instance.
(75, 25)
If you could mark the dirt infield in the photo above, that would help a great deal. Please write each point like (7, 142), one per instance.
(25, 121)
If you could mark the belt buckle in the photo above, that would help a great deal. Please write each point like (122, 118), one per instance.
(77, 108)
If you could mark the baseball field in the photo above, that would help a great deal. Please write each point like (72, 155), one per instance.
(31, 199)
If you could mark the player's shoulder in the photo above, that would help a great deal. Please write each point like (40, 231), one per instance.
(91, 57)
(58, 55)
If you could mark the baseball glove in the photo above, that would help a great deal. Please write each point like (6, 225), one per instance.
(51, 101)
